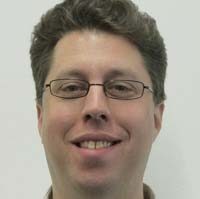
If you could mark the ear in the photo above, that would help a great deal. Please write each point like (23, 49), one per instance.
(158, 115)
(39, 117)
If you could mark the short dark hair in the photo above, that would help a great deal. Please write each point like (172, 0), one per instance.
(119, 17)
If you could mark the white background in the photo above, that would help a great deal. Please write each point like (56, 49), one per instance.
(173, 169)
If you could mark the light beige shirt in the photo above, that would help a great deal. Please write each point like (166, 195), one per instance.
(148, 193)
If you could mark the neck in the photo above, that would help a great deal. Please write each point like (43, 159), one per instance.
(135, 192)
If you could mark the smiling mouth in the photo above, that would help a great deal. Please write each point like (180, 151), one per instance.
(95, 145)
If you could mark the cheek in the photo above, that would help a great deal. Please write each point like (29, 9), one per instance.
(138, 122)
(57, 121)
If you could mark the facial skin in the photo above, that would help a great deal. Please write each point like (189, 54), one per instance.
(109, 173)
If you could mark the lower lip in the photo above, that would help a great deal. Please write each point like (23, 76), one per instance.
(96, 153)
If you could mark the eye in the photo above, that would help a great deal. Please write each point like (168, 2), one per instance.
(72, 87)
(69, 88)
(120, 87)
(123, 89)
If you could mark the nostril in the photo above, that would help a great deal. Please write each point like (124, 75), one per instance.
(96, 117)
(88, 117)
(103, 117)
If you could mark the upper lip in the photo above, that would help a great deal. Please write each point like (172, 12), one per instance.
(95, 137)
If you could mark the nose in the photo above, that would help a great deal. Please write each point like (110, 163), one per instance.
(96, 108)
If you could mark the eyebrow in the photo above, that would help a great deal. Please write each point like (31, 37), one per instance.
(115, 73)
(112, 74)
(74, 73)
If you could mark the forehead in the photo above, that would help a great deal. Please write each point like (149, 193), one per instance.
(96, 54)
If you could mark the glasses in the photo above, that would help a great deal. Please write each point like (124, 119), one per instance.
(116, 89)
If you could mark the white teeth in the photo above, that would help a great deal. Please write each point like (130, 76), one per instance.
(95, 145)
(91, 145)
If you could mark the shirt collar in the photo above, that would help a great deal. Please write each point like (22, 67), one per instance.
(148, 193)
(48, 194)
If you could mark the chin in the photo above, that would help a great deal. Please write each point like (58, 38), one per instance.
(95, 184)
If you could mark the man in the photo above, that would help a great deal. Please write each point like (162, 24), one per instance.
(99, 70)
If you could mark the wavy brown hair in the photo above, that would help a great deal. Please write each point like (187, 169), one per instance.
(119, 17)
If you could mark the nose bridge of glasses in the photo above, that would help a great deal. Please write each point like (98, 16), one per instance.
(96, 99)
(95, 84)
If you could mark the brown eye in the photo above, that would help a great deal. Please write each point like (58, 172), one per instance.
(71, 87)
(124, 89)
(67, 88)
(120, 88)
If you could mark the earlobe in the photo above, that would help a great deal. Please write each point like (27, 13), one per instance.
(39, 117)
(158, 114)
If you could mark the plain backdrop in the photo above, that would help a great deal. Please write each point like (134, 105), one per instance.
(173, 169)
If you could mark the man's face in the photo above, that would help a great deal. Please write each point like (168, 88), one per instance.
(96, 58)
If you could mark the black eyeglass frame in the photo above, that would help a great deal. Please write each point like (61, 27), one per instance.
(104, 89)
